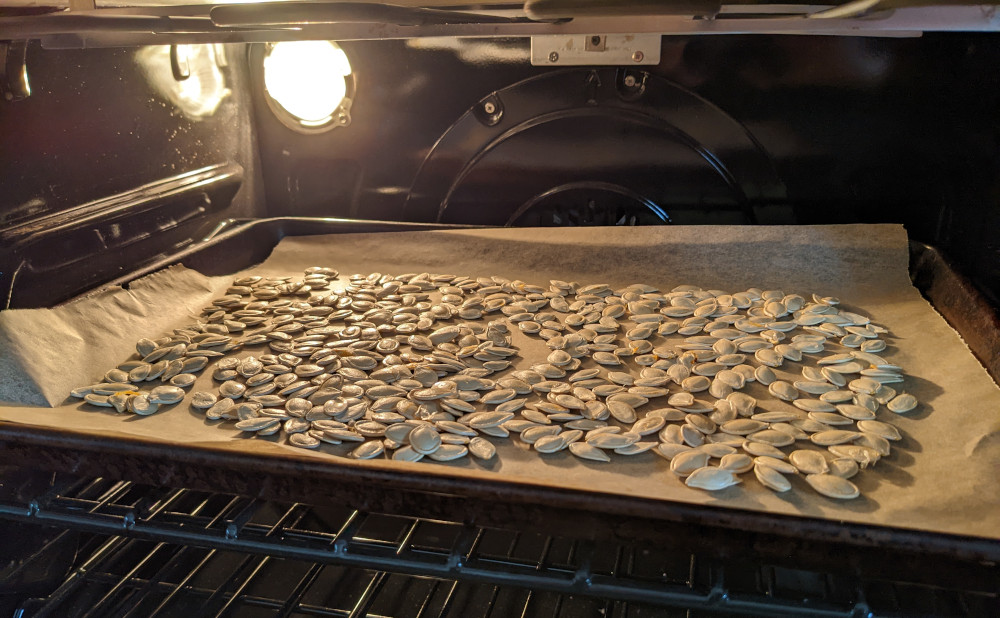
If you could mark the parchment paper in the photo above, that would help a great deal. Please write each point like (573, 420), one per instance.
(943, 476)
(45, 352)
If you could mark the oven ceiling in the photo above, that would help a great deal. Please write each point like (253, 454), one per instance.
(142, 22)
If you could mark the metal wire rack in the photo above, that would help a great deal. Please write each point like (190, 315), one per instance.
(149, 551)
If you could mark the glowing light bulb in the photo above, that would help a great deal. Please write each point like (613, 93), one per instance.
(306, 78)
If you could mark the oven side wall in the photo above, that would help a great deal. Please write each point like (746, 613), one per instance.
(112, 161)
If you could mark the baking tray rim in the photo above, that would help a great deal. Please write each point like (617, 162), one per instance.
(18, 439)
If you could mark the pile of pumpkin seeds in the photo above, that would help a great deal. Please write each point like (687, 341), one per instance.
(425, 366)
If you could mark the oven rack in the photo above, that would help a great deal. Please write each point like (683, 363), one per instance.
(150, 551)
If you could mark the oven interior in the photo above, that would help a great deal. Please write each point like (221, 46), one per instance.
(118, 160)
(112, 163)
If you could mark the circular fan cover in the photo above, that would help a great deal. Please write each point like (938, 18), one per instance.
(579, 147)
(588, 203)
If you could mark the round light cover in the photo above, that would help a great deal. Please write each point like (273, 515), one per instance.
(306, 79)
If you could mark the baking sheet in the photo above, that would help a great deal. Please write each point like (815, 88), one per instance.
(942, 477)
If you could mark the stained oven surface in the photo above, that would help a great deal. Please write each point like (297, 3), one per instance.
(119, 159)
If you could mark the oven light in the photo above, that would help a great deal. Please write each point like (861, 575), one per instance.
(308, 80)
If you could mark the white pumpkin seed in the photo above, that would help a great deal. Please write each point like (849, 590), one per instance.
(424, 440)
(770, 477)
(737, 462)
(808, 462)
(635, 448)
(902, 403)
(482, 448)
(879, 428)
(833, 486)
(449, 452)
(711, 478)
(686, 462)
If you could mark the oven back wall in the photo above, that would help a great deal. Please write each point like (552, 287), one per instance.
(727, 129)
(119, 156)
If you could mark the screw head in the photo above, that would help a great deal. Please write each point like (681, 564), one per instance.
(638, 56)
(489, 107)
(630, 80)
(553, 57)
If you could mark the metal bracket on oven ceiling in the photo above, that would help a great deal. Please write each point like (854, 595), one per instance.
(180, 65)
(595, 49)
(14, 84)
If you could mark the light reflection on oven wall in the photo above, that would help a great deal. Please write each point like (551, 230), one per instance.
(191, 80)
(477, 52)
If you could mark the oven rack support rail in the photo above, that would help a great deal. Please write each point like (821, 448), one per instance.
(455, 552)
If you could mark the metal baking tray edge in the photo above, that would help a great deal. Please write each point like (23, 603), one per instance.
(726, 532)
